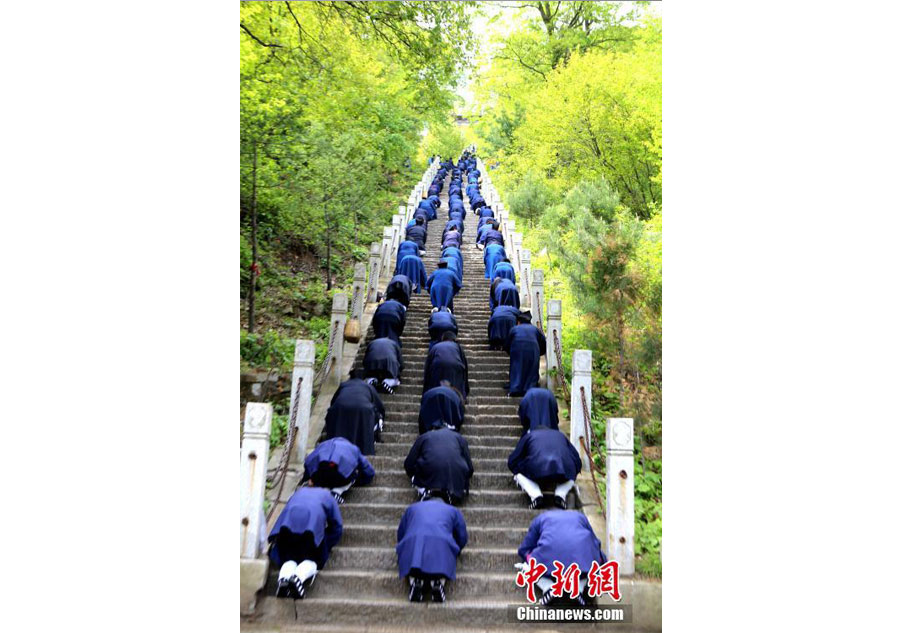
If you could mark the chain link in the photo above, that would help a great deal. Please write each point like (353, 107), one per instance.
(326, 364)
(373, 277)
(586, 417)
(280, 474)
(537, 296)
(559, 369)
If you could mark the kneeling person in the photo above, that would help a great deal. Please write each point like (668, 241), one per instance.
(337, 464)
(439, 465)
(545, 457)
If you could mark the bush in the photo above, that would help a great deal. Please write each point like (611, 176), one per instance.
(530, 198)
(267, 350)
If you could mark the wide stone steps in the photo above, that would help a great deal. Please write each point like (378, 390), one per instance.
(365, 584)
(506, 441)
(380, 492)
(396, 477)
(373, 534)
(475, 452)
(471, 559)
(390, 513)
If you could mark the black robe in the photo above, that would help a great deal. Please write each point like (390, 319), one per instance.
(545, 456)
(354, 411)
(525, 345)
(538, 408)
(441, 404)
(447, 361)
(399, 288)
(383, 359)
(417, 234)
(389, 320)
(440, 322)
(439, 460)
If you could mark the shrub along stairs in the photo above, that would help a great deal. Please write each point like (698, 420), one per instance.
(359, 586)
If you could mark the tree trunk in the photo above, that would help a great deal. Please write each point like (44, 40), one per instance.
(251, 296)
(328, 262)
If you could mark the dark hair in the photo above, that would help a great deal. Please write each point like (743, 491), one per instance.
(420, 219)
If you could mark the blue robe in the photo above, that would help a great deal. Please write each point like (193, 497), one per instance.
(505, 270)
(383, 359)
(452, 240)
(476, 202)
(389, 320)
(563, 535)
(429, 539)
(452, 224)
(399, 288)
(412, 267)
(456, 266)
(485, 213)
(505, 294)
(492, 254)
(440, 322)
(354, 411)
(418, 234)
(453, 252)
(525, 344)
(446, 361)
(439, 460)
(441, 404)
(406, 248)
(545, 455)
(442, 286)
(503, 319)
(538, 408)
(345, 455)
(491, 236)
(311, 510)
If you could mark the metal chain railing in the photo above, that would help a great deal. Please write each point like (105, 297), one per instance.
(320, 376)
(559, 368)
(586, 417)
(280, 474)
(537, 297)
(373, 281)
(355, 303)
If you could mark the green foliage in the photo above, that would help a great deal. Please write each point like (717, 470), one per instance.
(279, 430)
(444, 139)
(269, 350)
(531, 198)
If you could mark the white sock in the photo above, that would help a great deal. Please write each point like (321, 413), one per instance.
(343, 489)
(287, 570)
(563, 489)
(307, 569)
(531, 489)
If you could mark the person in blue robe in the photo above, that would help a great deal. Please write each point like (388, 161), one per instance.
(538, 408)
(452, 239)
(504, 293)
(435, 202)
(447, 361)
(430, 537)
(440, 322)
(492, 236)
(452, 225)
(356, 413)
(336, 465)
(485, 213)
(503, 319)
(565, 536)
(492, 254)
(383, 363)
(525, 345)
(455, 265)
(301, 539)
(418, 233)
(484, 226)
(505, 270)
(438, 465)
(441, 405)
(412, 267)
(407, 247)
(399, 288)
(442, 286)
(389, 320)
(545, 457)
(476, 202)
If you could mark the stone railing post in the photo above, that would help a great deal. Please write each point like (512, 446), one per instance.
(396, 227)
(336, 340)
(579, 418)
(517, 248)
(374, 270)
(304, 370)
(387, 235)
(620, 493)
(537, 299)
(410, 209)
(358, 300)
(526, 281)
(509, 246)
(254, 461)
(553, 333)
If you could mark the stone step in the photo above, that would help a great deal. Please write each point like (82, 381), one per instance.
(391, 514)
(395, 462)
(476, 452)
(385, 559)
(408, 423)
(482, 479)
(407, 439)
(370, 534)
(377, 492)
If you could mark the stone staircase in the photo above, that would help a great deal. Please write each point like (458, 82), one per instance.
(359, 587)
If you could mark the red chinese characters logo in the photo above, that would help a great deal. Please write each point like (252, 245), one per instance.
(600, 579)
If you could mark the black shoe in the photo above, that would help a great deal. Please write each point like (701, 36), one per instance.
(536, 503)
(546, 599)
(416, 590)
(437, 591)
(338, 497)
(298, 587)
(285, 588)
(580, 600)
(559, 502)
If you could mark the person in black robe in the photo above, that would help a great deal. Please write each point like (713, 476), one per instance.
(337, 464)
(440, 322)
(389, 320)
(356, 413)
(383, 363)
(302, 538)
(418, 233)
(447, 361)
(441, 405)
(538, 408)
(399, 288)
(504, 293)
(503, 319)
(543, 458)
(439, 465)
(525, 345)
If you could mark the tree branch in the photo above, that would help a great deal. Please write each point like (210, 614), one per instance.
(259, 41)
